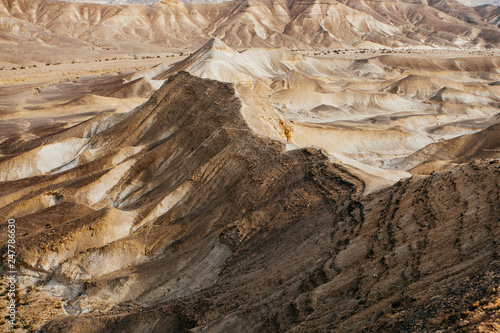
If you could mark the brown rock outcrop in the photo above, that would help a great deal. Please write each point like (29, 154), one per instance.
(177, 216)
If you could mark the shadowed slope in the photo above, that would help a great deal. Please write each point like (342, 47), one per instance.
(177, 215)
(147, 195)
(481, 145)
(414, 257)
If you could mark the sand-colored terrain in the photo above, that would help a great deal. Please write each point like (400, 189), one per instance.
(317, 166)
(39, 98)
(205, 172)
(54, 25)
(369, 113)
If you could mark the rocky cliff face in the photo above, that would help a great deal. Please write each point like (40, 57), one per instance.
(155, 189)
(178, 216)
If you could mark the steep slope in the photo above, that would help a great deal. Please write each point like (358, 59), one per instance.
(369, 126)
(460, 11)
(481, 145)
(483, 14)
(152, 188)
(423, 23)
(178, 216)
(489, 13)
(218, 61)
(421, 254)
(256, 23)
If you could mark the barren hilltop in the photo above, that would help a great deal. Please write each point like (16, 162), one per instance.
(243, 23)
(251, 166)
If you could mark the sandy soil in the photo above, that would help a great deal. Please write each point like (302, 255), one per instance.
(36, 96)
(71, 69)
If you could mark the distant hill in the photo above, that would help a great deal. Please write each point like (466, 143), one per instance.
(260, 23)
(473, 3)
(127, 2)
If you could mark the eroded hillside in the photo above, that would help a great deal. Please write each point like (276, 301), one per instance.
(180, 214)
(284, 23)
(247, 188)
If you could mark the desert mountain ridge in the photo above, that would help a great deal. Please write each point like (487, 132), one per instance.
(273, 166)
(474, 3)
(127, 2)
(269, 193)
(155, 224)
(284, 23)
(471, 3)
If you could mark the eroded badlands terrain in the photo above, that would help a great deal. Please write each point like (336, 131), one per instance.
(263, 190)
(322, 187)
